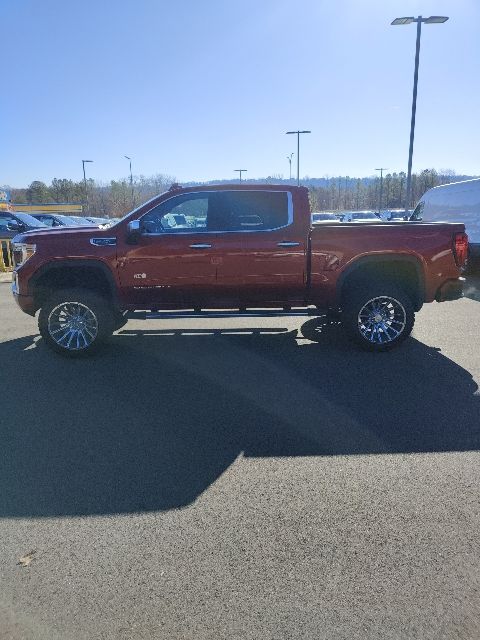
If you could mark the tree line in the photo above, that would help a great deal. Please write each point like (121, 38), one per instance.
(118, 197)
(347, 194)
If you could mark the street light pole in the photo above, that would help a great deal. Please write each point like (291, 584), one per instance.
(419, 20)
(240, 171)
(297, 133)
(289, 158)
(381, 169)
(85, 183)
(131, 181)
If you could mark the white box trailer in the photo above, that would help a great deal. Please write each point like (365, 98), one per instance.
(454, 202)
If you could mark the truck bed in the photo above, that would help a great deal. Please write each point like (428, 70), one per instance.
(337, 248)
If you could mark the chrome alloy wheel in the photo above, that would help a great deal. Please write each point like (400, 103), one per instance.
(72, 325)
(382, 320)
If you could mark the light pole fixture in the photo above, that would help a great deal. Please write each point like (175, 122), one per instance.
(240, 171)
(297, 133)
(419, 20)
(85, 183)
(131, 180)
(381, 169)
(289, 158)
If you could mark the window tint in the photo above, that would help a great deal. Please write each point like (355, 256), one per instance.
(219, 211)
(247, 210)
(5, 220)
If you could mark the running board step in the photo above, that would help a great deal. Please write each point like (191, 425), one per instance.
(170, 315)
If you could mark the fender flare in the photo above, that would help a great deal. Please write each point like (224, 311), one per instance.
(70, 263)
(356, 264)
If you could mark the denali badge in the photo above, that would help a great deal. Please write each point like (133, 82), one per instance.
(139, 275)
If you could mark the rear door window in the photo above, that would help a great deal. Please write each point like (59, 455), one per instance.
(248, 210)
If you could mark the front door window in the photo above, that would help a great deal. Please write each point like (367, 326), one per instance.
(186, 214)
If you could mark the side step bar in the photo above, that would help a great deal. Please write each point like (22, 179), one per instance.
(257, 313)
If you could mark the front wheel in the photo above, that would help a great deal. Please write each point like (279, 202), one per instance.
(378, 317)
(74, 322)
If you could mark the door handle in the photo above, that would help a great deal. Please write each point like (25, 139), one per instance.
(200, 246)
(287, 244)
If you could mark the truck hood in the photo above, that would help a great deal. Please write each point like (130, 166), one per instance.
(62, 233)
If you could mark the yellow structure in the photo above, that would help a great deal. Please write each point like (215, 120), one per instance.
(67, 208)
(54, 207)
(6, 257)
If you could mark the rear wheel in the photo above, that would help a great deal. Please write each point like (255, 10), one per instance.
(378, 316)
(75, 322)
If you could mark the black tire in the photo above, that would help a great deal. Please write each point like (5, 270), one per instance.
(92, 317)
(377, 316)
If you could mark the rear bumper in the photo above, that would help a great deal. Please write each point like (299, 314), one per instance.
(450, 290)
(26, 303)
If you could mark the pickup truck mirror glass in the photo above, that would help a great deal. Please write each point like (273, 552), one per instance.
(133, 231)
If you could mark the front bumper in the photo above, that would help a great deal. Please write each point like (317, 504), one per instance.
(26, 303)
(450, 290)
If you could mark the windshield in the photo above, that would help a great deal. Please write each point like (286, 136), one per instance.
(28, 220)
(66, 220)
(80, 221)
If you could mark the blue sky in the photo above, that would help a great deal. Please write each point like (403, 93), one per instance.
(197, 89)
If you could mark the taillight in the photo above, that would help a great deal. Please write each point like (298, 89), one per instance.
(460, 248)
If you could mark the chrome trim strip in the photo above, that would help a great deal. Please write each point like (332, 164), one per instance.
(200, 246)
(288, 244)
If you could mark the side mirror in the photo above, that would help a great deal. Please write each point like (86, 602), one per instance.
(14, 226)
(133, 234)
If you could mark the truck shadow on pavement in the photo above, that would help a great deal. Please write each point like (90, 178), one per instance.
(472, 287)
(152, 421)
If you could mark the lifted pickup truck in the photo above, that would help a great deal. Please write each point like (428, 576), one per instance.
(246, 249)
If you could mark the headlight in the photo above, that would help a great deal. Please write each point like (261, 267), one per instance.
(22, 252)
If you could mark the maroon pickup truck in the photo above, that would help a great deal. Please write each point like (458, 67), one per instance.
(217, 251)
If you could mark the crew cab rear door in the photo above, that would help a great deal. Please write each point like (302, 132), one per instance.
(264, 250)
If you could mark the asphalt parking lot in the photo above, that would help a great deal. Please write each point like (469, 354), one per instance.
(234, 479)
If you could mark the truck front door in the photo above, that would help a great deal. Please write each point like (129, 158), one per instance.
(172, 261)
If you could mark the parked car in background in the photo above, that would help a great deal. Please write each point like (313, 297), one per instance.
(109, 222)
(395, 214)
(58, 220)
(12, 224)
(321, 216)
(81, 221)
(97, 220)
(454, 202)
(359, 216)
